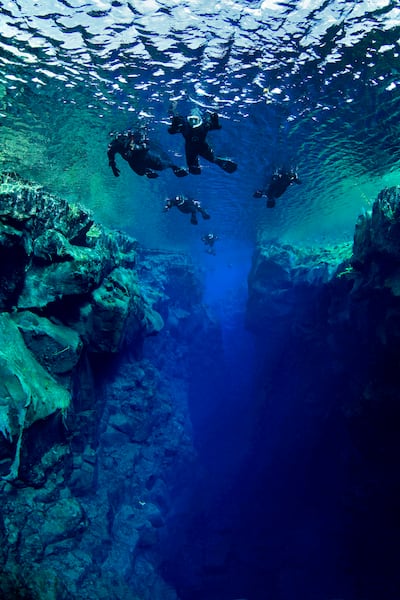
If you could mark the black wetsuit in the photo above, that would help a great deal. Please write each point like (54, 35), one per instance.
(196, 144)
(139, 157)
(187, 206)
(278, 184)
(209, 240)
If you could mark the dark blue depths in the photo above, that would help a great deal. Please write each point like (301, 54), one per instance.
(295, 425)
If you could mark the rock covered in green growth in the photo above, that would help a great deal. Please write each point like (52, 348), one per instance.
(302, 264)
(55, 346)
(44, 284)
(283, 277)
(71, 267)
(378, 233)
(71, 288)
(118, 312)
(29, 204)
(27, 391)
(54, 248)
(376, 248)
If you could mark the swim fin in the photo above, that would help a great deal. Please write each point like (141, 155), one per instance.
(179, 171)
(151, 174)
(226, 164)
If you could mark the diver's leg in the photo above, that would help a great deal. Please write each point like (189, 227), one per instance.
(204, 214)
(192, 159)
(137, 167)
(155, 162)
(226, 164)
(207, 152)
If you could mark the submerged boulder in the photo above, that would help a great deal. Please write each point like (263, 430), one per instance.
(57, 347)
(27, 391)
(284, 280)
(129, 315)
(376, 249)
(377, 233)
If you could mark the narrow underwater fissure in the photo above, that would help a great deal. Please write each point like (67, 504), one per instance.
(254, 524)
(281, 504)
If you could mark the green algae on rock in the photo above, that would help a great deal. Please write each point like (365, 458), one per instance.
(27, 391)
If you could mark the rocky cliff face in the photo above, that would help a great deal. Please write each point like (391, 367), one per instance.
(284, 281)
(327, 325)
(68, 290)
(92, 439)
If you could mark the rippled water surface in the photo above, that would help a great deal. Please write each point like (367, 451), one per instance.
(309, 83)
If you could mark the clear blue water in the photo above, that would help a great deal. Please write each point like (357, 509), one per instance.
(309, 83)
(314, 84)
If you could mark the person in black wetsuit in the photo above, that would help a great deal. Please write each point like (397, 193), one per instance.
(278, 184)
(134, 147)
(209, 240)
(194, 129)
(187, 206)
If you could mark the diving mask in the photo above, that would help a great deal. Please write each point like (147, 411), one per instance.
(194, 121)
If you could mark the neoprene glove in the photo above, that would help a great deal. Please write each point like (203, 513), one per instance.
(214, 121)
(176, 125)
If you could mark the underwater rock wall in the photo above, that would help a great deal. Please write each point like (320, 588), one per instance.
(92, 440)
(68, 289)
(327, 325)
(284, 281)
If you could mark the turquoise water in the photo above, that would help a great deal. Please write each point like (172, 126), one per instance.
(312, 84)
(308, 83)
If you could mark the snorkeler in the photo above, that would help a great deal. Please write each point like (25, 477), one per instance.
(209, 240)
(187, 206)
(194, 129)
(134, 147)
(278, 184)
